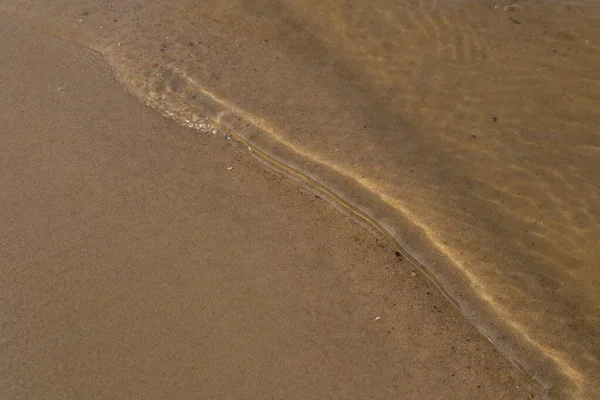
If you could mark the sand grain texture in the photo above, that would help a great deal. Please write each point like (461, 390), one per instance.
(134, 264)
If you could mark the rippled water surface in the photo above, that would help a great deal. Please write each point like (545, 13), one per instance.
(469, 131)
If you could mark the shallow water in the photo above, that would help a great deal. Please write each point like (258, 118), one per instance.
(468, 131)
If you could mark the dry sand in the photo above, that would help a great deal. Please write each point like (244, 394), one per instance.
(135, 264)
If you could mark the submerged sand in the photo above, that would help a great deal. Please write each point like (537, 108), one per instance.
(466, 130)
(140, 259)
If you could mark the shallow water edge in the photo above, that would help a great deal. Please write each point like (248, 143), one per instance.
(509, 303)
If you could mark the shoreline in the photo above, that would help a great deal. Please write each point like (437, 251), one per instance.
(80, 242)
(438, 142)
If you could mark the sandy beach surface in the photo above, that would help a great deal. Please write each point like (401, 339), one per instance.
(141, 259)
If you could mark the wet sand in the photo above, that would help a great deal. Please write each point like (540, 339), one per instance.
(141, 259)
(466, 130)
